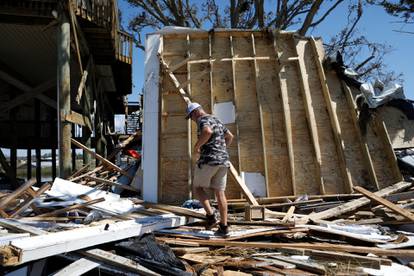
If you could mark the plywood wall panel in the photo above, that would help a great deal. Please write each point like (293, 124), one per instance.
(251, 71)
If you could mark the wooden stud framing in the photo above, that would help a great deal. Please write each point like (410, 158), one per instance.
(310, 116)
(259, 105)
(286, 113)
(233, 66)
(363, 143)
(189, 126)
(333, 118)
(382, 129)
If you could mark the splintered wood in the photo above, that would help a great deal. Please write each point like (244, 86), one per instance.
(295, 124)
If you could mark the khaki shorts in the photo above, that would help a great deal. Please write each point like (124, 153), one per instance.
(210, 177)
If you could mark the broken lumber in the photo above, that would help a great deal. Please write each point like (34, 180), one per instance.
(317, 246)
(7, 199)
(100, 158)
(243, 186)
(119, 261)
(42, 246)
(378, 199)
(357, 203)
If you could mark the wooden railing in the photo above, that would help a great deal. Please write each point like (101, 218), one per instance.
(104, 13)
(123, 47)
(99, 12)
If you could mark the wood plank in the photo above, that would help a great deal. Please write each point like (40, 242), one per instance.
(249, 196)
(233, 74)
(340, 147)
(38, 90)
(286, 117)
(111, 183)
(316, 246)
(392, 159)
(15, 194)
(176, 210)
(78, 267)
(79, 119)
(29, 202)
(38, 247)
(260, 108)
(378, 199)
(308, 266)
(289, 214)
(20, 227)
(310, 116)
(100, 158)
(363, 143)
(371, 262)
(118, 261)
(83, 81)
(73, 207)
(357, 203)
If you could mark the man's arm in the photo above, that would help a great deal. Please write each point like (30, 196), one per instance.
(228, 136)
(205, 135)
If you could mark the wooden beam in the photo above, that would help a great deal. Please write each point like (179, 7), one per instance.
(100, 158)
(393, 207)
(16, 193)
(118, 261)
(249, 196)
(79, 119)
(286, 117)
(392, 159)
(63, 72)
(233, 72)
(83, 81)
(310, 116)
(79, 267)
(38, 247)
(316, 246)
(28, 162)
(336, 129)
(111, 183)
(32, 93)
(259, 105)
(357, 203)
(72, 207)
(362, 142)
(29, 201)
(20, 227)
(183, 93)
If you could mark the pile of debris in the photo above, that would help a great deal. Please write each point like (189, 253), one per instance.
(355, 234)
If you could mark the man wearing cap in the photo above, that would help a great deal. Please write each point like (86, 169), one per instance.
(211, 169)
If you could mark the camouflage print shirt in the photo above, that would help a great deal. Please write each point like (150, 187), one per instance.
(213, 152)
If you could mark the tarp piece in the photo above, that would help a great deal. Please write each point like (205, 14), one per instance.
(294, 123)
(377, 93)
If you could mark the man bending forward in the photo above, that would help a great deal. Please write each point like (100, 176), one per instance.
(211, 169)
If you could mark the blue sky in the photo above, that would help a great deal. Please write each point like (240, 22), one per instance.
(375, 23)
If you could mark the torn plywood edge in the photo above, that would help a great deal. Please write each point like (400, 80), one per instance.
(293, 122)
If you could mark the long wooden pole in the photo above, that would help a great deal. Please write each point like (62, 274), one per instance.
(64, 128)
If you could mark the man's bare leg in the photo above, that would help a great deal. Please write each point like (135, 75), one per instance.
(204, 200)
(222, 205)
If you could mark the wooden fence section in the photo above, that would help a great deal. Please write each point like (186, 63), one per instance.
(295, 125)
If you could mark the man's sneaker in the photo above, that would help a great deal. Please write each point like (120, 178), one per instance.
(223, 230)
(211, 221)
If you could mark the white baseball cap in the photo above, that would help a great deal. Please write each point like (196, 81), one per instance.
(190, 108)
